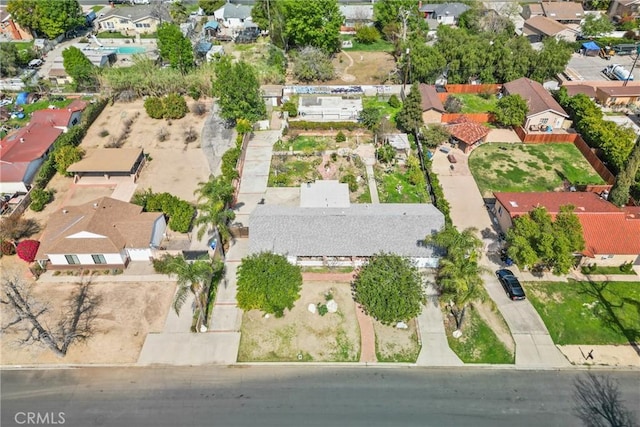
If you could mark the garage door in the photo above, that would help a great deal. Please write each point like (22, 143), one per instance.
(139, 254)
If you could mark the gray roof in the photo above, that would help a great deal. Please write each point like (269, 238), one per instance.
(324, 193)
(453, 9)
(238, 11)
(135, 13)
(361, 12)
(359, 230)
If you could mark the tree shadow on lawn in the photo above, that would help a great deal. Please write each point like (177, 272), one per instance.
(609, 317)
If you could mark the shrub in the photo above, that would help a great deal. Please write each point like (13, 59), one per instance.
(175, 107)
(198, 108)
(154, 107)
(7, 248)
(291, 108)
(46, 172)
(350, 180)
(39, 198)
(340, 137)
(229, 163)
(194, 92)
(162, 134)
(386, 153)
(322, 309)
(190, 135)
(180, 212)
(127, 96)
(243, 126)
(311, 64)
(452, 104)
(367, 35)
(103, 133)
(162, 265)
(27, 250)
(394, 102)
(627, 267)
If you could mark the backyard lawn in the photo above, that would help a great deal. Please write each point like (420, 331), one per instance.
(383, 106)
(473, 103)
(516, 167)
(597, 313)
(307, 144)
(27, 109)
(394, 186)
(379, 46)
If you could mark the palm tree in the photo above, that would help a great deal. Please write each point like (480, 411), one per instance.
(216, 189)
(192, 277)
(457, 244)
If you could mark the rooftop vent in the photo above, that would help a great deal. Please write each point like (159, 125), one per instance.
(95, 205)
(21, 140)
(513, 204)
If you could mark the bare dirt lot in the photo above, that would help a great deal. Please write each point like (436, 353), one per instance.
(127, 312)
(332, 337)
(396, 345)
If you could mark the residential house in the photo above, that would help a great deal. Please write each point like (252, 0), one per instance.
(432, 108)
(104, 233)
(588, 90)
(565, 12)
(611, 234)
(618, 95)
(467, 134)
(445, 13)
(356, 16)
(109, 164)
(327, 229)
(22, 153)
(61, 118)
(10, 30)
(98, 56)
(233, 15)
(619, 9)
(545, 114)
(328, 108)
(133, 20)
(532, 9)
(539, 27)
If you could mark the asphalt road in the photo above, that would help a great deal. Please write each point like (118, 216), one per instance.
(300, 396)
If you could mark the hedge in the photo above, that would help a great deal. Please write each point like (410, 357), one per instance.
(180, 212)
(305, 125)
(438, 194)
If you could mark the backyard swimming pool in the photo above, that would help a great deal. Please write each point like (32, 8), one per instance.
(130, 50)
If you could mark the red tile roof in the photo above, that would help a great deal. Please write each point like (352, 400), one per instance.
(28, 143)
(59, 116)
(467, 131)
(607, 229)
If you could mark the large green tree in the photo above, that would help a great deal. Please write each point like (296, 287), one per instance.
(551, 60)
(511, 110)
(423, 64)
(389, 288)
(175, 47)
(313, 23)
(238, 91)
(65, 156)
(14, 60)
(210, 6)
(594, 26)
(390, 16)
(621, 189)
(79, 68)
(409, 118)
(433, 135)
(49, 18)
(268, 282)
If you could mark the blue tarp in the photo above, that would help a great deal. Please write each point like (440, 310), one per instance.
(203, 47)
(211, 24)
(590, 46)
(22, 98)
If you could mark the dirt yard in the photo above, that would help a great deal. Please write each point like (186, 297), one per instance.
(127, 313)
(332, 337)
(396, 345)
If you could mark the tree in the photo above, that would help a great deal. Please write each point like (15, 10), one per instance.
(511, 110)
(409, 118)
(50, 18)
(271, 15)
(598, 402)
(434, 135)
(597, 4)
(313, 23)
(14, 60)
(175, 106)
(388, 13)
(367, 35)
(551, 60)
(210, 6)
(79, 68)
(426, 62)
(621, 189)
(370, 117)
(175, 47)
(65, 156)
(178, 12)
(312, 64)
(15, 228)
(386, 153)
(238, 91)
(594, 26)
(268, 282)
(32, 316)
(452, 104)
(389, 288)
(154, 107)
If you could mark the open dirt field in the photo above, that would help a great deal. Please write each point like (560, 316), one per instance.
(127, 312)
(396, 345)
(332, 337)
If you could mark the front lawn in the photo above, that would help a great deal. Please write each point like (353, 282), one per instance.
(504, 167)
(606, 270)
(473, 103)
(597, 313)
(395, 345)
(394, 186)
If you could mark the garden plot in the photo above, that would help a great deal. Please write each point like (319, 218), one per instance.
(394, 186)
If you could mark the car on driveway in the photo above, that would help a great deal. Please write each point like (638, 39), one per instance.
(511, 284)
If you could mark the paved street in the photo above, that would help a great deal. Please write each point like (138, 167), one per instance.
(297, 396)
(590, 67)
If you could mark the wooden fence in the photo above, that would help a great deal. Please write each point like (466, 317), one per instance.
(594, 161)
(485, 88)
(474, 117)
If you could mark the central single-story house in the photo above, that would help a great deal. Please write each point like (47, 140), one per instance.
(545, 114)
(109, 163)
(432, 108)
(105, 233)
(329, 108)
(330, 231)
(611, 234)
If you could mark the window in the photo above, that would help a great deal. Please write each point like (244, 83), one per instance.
(544, 121)
(138, 25)
(109, 25)
(147, 25)
(72, 259)
(124, 21)
(99, 259)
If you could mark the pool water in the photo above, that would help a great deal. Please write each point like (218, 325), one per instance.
(130, 50)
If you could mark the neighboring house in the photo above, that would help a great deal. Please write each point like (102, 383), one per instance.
(104, 233)
(620, 8)
(329, 108)
(61, 118)
(233, 15)
(22, 153)
(565, 12)
(467, 134)
(618, 95)
(98, 56)
(573, 90)
(133, 19)
(611, 234)
(109, 164)
(330, 231)
(545, 114)
(432, 108)
(356, 16)
(539, 27)
(531, 10)
(58, 76)
(10, 30)
(445, 14)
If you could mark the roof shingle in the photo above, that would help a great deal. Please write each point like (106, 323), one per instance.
(537, 97)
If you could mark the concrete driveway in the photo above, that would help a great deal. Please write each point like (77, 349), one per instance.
(534, 347)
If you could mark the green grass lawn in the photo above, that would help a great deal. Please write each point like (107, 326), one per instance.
(97, 9)
(478, 344)
(22, 45)
(289, 171)
(40, 105)
(519, 167)
(382, 105)
(389, 183)
(379, 46)
(595, 313)
(606, 270)
(306, 144)
(473, 103)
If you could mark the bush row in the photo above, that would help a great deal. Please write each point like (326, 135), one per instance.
(438, 194)
(180, 212)
(305, 125)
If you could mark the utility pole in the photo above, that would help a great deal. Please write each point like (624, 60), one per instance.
(404, 15)
(635, 61)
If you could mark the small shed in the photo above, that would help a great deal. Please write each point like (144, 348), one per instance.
(590, 49)
(400, 142)
(202, 48)
(211, 28)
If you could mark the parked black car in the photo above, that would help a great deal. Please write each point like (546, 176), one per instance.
(511, 284)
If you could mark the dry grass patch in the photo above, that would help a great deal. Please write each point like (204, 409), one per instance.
(396, 345)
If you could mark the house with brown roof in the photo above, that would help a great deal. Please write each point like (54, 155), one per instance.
(467, 134)
(21, 154)
(545, 114)
(10, 29)
(432, 108)
(61, 118)
(109, 164)
(538, 27)
(105, 233)
(618, 95)
(565, 12)
(611, 234)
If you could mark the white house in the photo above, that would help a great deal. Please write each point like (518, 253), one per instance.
(233, 15)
